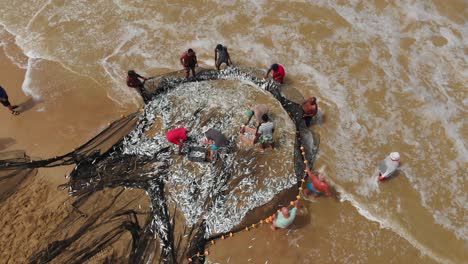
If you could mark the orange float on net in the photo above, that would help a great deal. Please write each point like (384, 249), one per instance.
(303, 153)
(261, 221)
(212, 242)
(207, 253)
(222, 237)
(298, 197)
(189, 259)
(305, 161)
(253, 225)
(302, 180)
(300, 188)
(230, 234)
(122, 115)
(198, 254)
(302, 148)
(291, 203)
(246, 229)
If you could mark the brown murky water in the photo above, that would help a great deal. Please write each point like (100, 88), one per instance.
(388, 77)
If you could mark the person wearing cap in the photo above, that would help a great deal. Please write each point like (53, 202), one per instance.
(6, 102)
(265, 132)
(216, 140)
(317, 186)
(389, 165)
(310, 109)
(133, 80)
(222, 56)
(189, 61)
(178, 136)
(284, 218)
(278, 72)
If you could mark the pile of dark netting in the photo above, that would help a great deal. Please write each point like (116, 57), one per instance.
(101, 163)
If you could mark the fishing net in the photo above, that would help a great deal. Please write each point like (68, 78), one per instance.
(192, 200)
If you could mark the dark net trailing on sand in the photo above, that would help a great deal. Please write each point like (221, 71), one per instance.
(121, 156)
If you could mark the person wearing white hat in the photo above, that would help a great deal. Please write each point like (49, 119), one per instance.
(389, 165)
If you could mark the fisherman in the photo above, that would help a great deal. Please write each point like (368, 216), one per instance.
(265, 131)
(258, 111)
(310, 109)
(389, 165)
(285, 217)
(278, 72)
(222, 56)
(216, 140)
(6, 103)
(189, 61)
(178, 136)
(317, 186)
(133, 80)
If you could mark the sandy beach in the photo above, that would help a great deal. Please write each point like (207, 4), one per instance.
(387, 76)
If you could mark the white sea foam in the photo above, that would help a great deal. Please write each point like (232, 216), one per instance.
(389, 224)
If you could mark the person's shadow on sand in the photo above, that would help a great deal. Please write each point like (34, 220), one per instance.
(6, 142)
(28, 104)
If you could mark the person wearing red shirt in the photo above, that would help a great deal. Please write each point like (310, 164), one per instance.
(189, 61)
(318, 186)
(177, 136)
(278, 72)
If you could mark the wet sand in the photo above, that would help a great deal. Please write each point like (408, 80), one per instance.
(32, 215)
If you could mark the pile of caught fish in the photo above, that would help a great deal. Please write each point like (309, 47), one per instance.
(222, 192)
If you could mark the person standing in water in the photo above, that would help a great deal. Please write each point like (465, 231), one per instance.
(6, 102)
(284, 218)
(310, 109)
(133, 80)
(189, 61)
(389, 165)
(317, 186)
(278, 72)
(222, 56)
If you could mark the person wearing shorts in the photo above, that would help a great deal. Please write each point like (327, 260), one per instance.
(216, 140)
(222, 56)
(177, 136)
(189, 61)
(6, 102)
(266, 130)
(317, 186)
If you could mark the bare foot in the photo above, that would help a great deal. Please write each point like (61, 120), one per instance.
(273, 227)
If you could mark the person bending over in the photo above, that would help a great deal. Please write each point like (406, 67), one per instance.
(258, 111)
(133, 80)
(222, 56)
(178, 136)
(216, 140)
(389, 165)
(278, 72)
(317, 186)
(189, 61)
(310, 109)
